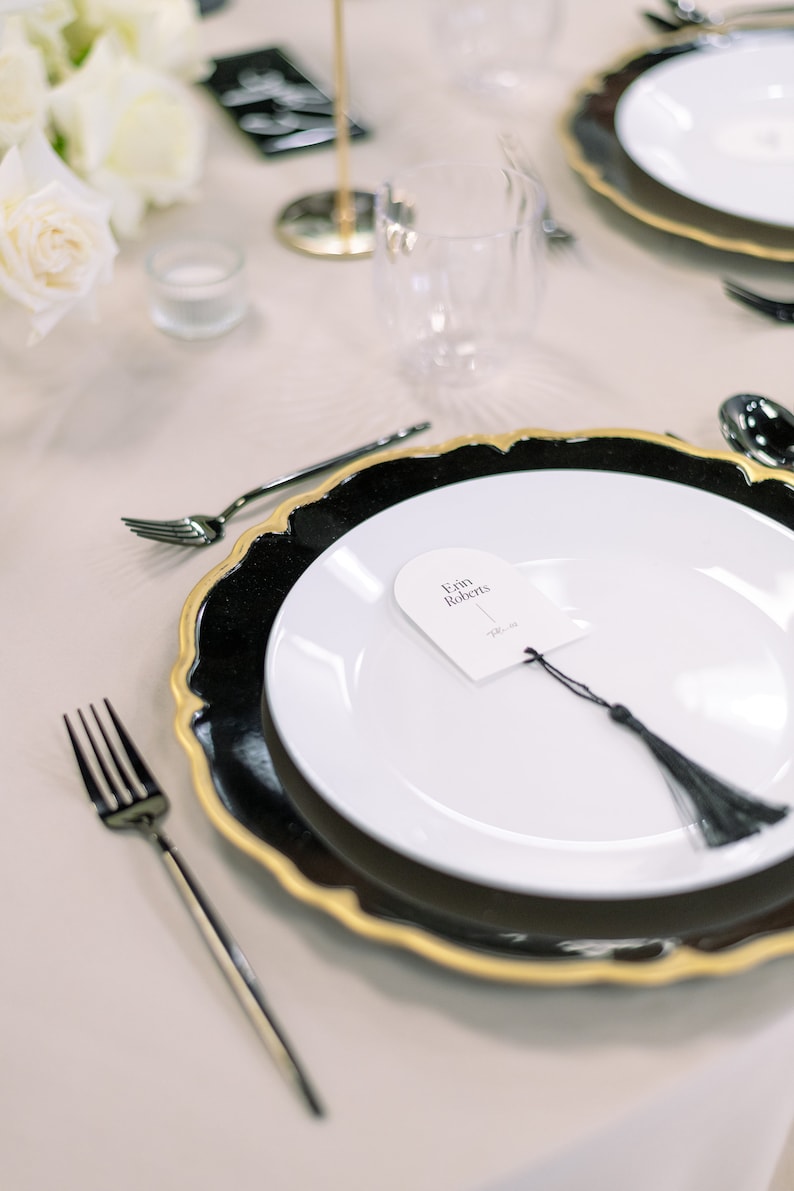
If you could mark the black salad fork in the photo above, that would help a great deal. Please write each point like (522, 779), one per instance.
(127, 798)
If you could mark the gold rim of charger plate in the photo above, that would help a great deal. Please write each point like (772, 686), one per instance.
(342, 904)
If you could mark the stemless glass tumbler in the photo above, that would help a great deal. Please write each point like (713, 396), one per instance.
(458, 266)
(494, 48)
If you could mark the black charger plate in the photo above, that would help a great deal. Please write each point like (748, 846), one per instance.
(258, 799)
(594, 150)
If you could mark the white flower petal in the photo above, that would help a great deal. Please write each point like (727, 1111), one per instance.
(163, 34)
(23, 85)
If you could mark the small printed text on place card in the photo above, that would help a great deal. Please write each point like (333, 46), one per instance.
(480, 610)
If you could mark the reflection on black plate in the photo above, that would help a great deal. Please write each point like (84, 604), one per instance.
(594, 151)
(262, 804)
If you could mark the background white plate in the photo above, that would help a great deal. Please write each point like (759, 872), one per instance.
(516, 783)
(717, 125)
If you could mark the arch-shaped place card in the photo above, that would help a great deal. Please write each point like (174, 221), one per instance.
(480, 610)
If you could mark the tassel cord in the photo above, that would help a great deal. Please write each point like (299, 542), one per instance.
(578, 688)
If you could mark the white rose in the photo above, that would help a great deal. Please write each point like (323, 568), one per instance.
(23, 85)
(165, 34)
(55, 242)
(132, 133)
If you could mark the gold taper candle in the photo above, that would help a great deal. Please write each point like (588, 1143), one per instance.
(345, 214)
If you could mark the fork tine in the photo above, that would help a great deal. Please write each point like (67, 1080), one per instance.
(113, 753)
(158, 535)
(182, 531)
(96, 795)
(150, 521)
(101, 760)
(747, 295)
(177, 528)
(141, 523)
(778, 309)
(168, 535)
(142, 771)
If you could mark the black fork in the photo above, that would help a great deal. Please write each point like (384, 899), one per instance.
(127, 798)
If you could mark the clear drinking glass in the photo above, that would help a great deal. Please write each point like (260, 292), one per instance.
(458, 266)
(197, 287)
(494, 48)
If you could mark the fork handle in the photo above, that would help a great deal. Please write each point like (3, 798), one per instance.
(235, 967)
(315, 469)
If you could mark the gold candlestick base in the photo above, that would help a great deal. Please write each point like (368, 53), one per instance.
(312, 225)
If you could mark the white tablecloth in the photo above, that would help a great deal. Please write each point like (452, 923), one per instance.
(125, 1061)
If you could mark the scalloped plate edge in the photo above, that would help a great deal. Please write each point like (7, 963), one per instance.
(592, 173)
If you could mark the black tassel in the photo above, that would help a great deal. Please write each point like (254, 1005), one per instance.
(722, 813)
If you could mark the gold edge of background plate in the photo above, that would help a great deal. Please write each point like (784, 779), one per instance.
(683, 962)
(595, 179)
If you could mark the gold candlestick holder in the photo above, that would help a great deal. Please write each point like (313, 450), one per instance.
(341, 222)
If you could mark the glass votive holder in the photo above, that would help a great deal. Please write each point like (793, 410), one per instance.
(197, 287)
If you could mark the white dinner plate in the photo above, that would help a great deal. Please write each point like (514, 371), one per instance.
(514, 782)
(717, 126)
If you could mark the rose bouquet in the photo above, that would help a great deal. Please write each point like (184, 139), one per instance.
(97, 125)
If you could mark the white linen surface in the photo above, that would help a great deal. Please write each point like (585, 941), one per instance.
(126, 1062)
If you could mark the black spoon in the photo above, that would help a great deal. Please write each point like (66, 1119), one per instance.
(759, 428)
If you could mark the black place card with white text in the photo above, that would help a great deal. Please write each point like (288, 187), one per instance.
(274, 102)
